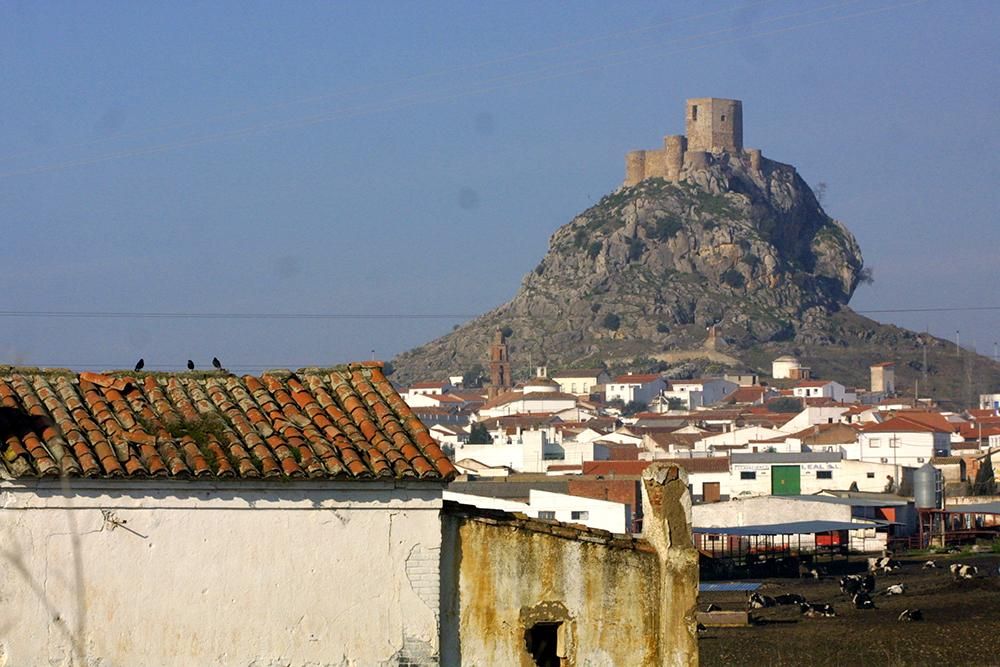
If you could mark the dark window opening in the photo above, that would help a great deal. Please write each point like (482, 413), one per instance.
(546, 514)
(748, 475)
(870, 475)
(723, 118)
(824, 474)
(542, 641)
(694, 112)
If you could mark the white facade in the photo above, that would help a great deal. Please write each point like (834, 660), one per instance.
(782, 367)
(989, 401)
(831, 389)
(529, 404)
(754, 479)
(532, 451)
(191, 573)
(643, 389)
(709, 391)
(911, 449)
(739, 437)
(811, 416)
(583, 384)
(600, 514)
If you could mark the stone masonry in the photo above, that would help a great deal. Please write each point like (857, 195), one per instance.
(713, 125)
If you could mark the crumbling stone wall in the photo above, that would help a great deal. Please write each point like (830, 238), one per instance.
(612, 599)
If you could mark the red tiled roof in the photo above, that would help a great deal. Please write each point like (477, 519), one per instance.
(514, 396)
(933, 419)
(902, 425)
(636, 379)
(813, 383)
(341, 423)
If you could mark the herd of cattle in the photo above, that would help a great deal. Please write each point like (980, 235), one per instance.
(860, 589)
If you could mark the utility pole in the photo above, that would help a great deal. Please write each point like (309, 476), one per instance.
(958, 346)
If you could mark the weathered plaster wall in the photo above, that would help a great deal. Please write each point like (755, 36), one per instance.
(513, 573)
(148, 573)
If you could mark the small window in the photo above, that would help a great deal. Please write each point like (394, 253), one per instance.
(870, 475)
(546, 514)
(824, 474)
(542, 642)
(694, 112)
(580, 516)
(723, 118)
(748, 474)
(874, 442)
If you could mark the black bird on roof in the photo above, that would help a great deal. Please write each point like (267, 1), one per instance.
(217, 363)
(190, 365)
(139, 364)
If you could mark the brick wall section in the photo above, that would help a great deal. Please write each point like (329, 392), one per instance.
(628, 491)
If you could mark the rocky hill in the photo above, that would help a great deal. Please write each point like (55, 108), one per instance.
(648, 269)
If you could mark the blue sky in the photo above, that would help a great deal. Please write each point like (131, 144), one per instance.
(414, 158)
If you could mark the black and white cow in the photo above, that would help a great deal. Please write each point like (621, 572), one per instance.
(861, 600)
(758, 601)
(959, 571)
(885, 564)
(910, 615)
(816, 610)
(789, 598)
(855, 583)
(895, 589)
(930, 565)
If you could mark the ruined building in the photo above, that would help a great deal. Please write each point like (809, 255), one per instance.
(713, 126)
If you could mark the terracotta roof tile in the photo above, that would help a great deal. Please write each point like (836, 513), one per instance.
(345, 422)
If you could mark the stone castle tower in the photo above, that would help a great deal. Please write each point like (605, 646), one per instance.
(713, 125)
(500, 380)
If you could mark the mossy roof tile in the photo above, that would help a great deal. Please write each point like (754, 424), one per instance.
(343, 423)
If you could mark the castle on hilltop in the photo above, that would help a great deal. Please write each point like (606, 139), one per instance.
(712, 124)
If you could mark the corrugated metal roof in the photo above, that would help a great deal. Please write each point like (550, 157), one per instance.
(976, 508)
(853, 502)
(724, 586)
(789, 528)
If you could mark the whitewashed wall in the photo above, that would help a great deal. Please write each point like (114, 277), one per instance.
(174, 573)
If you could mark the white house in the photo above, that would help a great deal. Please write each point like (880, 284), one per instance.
(581, 381)
(524, 402)
(814, 416)
(738, 439)
(902, 441)
(635, 387)
(191, 519)
(532, 451)
(807, 473)
(601, 514)
(700, 392)
(822, 389)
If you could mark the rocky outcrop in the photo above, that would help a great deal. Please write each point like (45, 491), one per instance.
(650, 267)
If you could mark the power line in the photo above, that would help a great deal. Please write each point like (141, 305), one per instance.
(232, 316)
(360, 316)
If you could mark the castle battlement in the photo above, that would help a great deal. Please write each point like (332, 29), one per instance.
(712, 124)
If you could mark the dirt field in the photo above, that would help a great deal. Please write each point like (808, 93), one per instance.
(961, 626)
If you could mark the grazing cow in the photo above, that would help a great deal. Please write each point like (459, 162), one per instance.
(895, 589)
(959, 571)
(789, 598)
(929, 565)
(758, 601)
(816, 610)
(910, 615)
(713, 607)
(862, 601)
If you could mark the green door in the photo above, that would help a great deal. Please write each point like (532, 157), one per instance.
(785, 481)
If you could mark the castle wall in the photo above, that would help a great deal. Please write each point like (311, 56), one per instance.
(713, 125)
